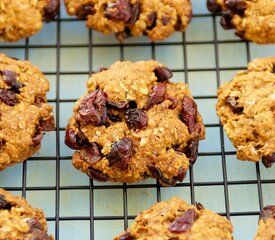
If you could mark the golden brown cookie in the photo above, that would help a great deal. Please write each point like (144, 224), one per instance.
(253, 20)
(177, 220)
(134, 124)
(246, 107)
(266, 229)
(22, 18)
(157, 19)
(24, 112)
(19, 220)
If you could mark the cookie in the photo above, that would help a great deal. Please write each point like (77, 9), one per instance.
(19, 220)
(24, 112)
(134, 124)
(176, 219)
(253, 20)
(23, 18)
(246, 107)
(157, 19)
(266, 229)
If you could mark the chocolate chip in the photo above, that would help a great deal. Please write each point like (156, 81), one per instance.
(136, 119)
(119, 10)
(189, 113)
(165, 20)
(184, 222)
(199, 206)
(156, 173)
(268, 212)
(48, 124)
(4, 205)
(234, 105)
(117, 104)
(120, 154)
(8, 97)
(213, 6)
(97, 175)
(134, 13)
(152, 20)
(83, 11)
(91, 153)
(93, 109)
(268, 160)
(51, 10)
(2, 143)
(127, 236)
(191, 150)
(236, 6)
(163, 74)
(157, 95)
(226, 21)
(132, 104)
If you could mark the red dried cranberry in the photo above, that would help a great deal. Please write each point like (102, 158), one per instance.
(268, 160)
(121, 153)
(74, 140)
(8, 97)
(136, 119)
(157, 95)
(189, 113)
(47, 125)
(97, 175)
(91, 153)
(119, 10)
(184, 223)
(134, 13)
(163, 74)
(51, 10)
(156, 173)
(213, 6)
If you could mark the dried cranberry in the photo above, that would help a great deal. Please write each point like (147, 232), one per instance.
(4, 204)
(157, 95)
(234, 105)
(93, 109)
(152, 20)
(84, 11)
(97, 175)
(120, 153)
(226, 21)
(184, 223)
(47, 125)
(127, 236)
(134, 13)
(165, 20)
(163, 74)
(268, 160)
(74, 140)
(8, 97)
(189, 113)
(91, 153)
(119, 10)
(236, 6)
(174, 101)
(136, 119)
(156, 173)
(118, 104)
(268, 212)
(51, 10)
(192, 150)
(213, 6)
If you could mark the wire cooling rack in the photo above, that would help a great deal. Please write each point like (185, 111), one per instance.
(204, 57)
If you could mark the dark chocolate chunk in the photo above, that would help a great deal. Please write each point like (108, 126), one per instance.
(234, 105)
(213, 6)
(74, 140)
(10, 78)
(268, 160)
(226, 21)
(189, 113)
(51, 10)
(163, 74)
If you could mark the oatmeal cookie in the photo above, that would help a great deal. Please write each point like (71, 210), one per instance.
(24, 112)
(19, 220)
(175, 219)
(266, 229)
(246, 107)
(157, 19)
(134, 124)
(253, 20)
(22, 18)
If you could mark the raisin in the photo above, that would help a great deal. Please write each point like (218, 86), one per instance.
(127, 236)
(9, 78)
(134, 13)
(268, 160)
(8, 97)
(120, 153)
(84, 11)
(268, 212)
(119, 10)
(156, 173)
(236, 6)
(226, 21)
(74, 140)
(192, 150)
(117, 105)
(97, 175)
(163, 74)
(136, 119)
(234, 105)
(51, 10)
(184, 223)
(157, 95)
(165, 20)
(189, 114)
(2, 143)
(4, 204)
(93, 109)
(152, 20)
(47, 125)
(213, 6)
(91, 153)
(199, 206)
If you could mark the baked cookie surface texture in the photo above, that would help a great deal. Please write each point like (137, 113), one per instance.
(157, 19)
(246, 107)
(253, 20)
(134, 124)
(24, 112)
(177, 220)
(22, 18)
(19, 220)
